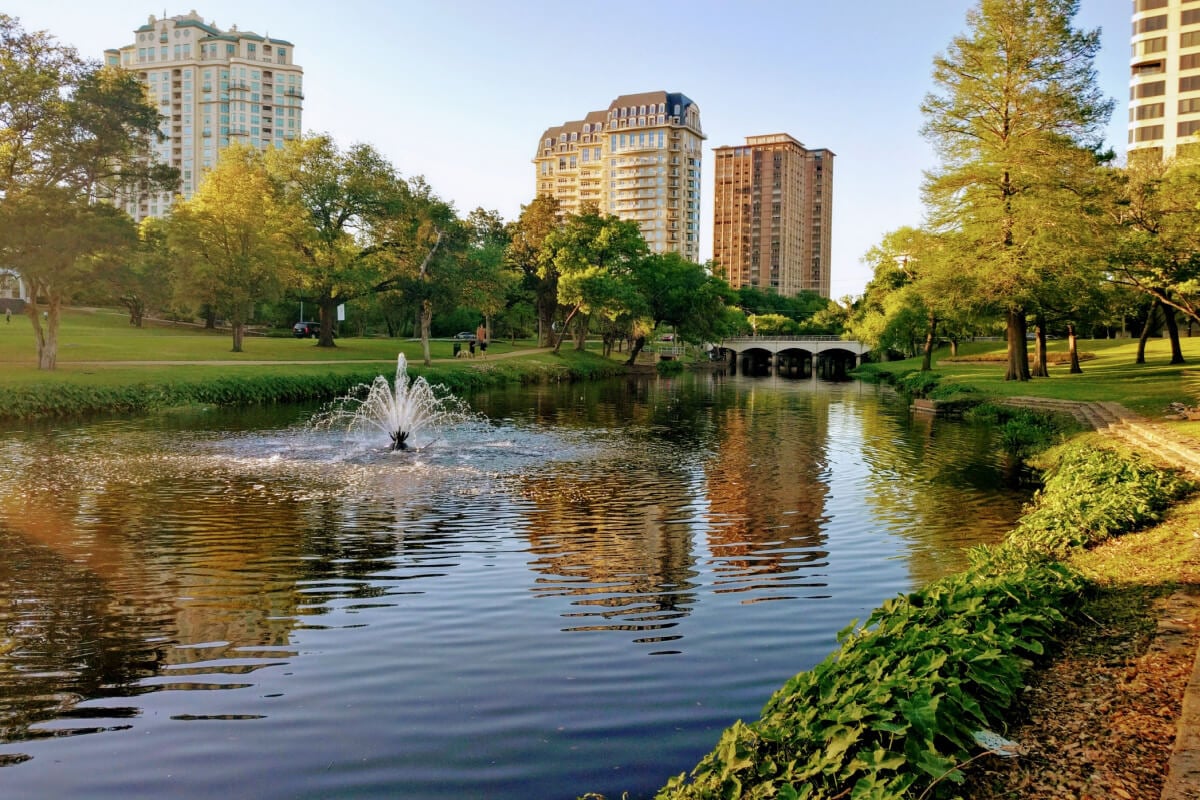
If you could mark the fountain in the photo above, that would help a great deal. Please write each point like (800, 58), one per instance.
(405, 410)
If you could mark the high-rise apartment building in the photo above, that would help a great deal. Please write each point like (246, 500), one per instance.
(1164, 83)
(638, 160)
(772, 215)
(212, 87)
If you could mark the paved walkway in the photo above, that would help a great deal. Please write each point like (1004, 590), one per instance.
(1183, 451)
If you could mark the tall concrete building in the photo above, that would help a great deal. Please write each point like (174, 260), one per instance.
(212, 87)
(638, 160)
(772, 215)
(1164, 83)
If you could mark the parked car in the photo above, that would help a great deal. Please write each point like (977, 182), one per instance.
(306, 330)
(465, 335)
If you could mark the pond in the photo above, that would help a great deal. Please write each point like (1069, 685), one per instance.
(576, 592)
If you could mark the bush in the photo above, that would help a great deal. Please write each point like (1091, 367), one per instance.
(1023, 430)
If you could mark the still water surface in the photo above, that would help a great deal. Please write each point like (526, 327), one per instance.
(576, 594)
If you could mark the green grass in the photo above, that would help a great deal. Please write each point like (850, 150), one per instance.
(1111, 375)
(89, 339)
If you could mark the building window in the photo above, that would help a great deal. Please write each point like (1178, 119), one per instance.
(1148, 24)
(1146, 133)
(1148, 111)
(1148, 5)
(1189, 127)
(1190, 105)
(1190, 17)
(1150, 89)
(1190, 83)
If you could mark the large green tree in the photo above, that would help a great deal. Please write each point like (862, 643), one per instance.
(682, 294)
(1154, 246)
(71, 132)
(348, 199)
(1016, 119)
(57, 240)
(230, 240)
(594, 257)
(539, 278)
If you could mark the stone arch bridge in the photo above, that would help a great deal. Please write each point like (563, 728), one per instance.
(792, 356)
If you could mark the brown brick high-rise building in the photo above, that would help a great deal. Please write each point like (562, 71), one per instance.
(772, 215)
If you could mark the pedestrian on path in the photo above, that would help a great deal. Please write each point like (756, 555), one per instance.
(481, 338)
(7, 314)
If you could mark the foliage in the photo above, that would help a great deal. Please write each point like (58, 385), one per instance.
(346, 199)
(539, 278)
(71, 132)
(892, 712)
(1024, 431)
(230, 238)
(1090, 494)
(1016, 119)
(668, 367)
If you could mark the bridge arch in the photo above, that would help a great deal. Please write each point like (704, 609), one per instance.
(794, 356)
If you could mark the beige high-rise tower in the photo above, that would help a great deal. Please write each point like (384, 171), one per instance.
(212, 87)
(1164, 83)
(772, 215)
(639, 160)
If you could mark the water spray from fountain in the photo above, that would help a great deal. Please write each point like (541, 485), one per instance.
(407, 410)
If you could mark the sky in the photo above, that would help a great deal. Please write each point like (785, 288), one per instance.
(460, 91)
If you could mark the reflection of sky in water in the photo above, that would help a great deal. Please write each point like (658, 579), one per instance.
(470, 619)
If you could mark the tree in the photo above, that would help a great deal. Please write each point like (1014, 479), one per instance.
(346, 200)
(1155, 237)
(56, 240)
(682, 294)
(539, 279)
(230, 239)
(142, 279)
(1016, 120)
(594, 257)
(71, 132)
(487, 279)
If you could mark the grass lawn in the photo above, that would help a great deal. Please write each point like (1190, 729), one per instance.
(91, 341)
(1111, 375)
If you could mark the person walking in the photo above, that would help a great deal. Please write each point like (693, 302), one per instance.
(7, 314)
(481, 339)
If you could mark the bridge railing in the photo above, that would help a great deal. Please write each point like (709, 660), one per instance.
(792, 338)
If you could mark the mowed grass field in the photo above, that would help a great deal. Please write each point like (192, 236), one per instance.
(1109, 373)
(99, 346)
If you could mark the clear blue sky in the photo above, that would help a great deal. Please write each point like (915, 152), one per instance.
(460, 91)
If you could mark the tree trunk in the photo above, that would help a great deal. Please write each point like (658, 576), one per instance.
(210, 318)
(1072, 346)
(930, 338)
(328, 313)
(565, 327)
(1018, 355)
(635, 350)
(239, 333)
(1041, 369)
(954, 347)
(1173, 333)
(1141, 348)
(47, 338)
(426, 319)
(581, 330)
